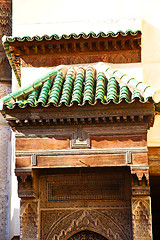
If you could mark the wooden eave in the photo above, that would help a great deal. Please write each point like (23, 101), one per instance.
(72, 45)
(124, 113)
(53, 52)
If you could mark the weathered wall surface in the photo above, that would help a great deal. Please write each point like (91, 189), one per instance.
(4, 179)
(151, 56)
(5, 141)
(39, 17)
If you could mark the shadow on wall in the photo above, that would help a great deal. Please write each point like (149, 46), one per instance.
(16, 238)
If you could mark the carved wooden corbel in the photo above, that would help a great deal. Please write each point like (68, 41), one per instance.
(27, 187)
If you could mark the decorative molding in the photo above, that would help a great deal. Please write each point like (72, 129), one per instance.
(140, 172)
(121, 114)
(94, 130)
(140, 191)
(140, 180)
(80, 139)
(85, 152)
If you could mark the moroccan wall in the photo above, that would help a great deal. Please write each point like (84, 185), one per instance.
(5, 134)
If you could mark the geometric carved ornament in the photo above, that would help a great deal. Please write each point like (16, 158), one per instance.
(84, 220)
(29, 221)
(142, 228)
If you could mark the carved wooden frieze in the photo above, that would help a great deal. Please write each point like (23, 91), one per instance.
(132, 56)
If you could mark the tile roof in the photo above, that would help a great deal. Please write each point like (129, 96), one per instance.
(10, 40)
(83, 35)
(81, 84)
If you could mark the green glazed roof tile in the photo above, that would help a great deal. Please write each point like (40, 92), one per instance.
(44, 92)
(124, 93)
(80, 84)
(56, 89)
(10, 39)
(67, 87)
(32, 98)
(89, 85)
(100, 87)
(112, 91)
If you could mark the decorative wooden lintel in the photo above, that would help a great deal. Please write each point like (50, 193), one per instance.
(76, 45)
(136, 113)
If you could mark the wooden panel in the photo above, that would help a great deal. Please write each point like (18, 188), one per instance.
(139, 158)
(23, 162)
(82, 160)
(119, 141)
(31, 144)
(154, 153)
(154, 160)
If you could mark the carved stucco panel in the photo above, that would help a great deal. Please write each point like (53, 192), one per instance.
(141, 214)
(62, 224)
(29, 220)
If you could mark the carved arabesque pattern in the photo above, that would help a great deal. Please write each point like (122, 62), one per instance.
(141, 219)
(80, 220)
(5, 20)
(122, 216)
(29, 221)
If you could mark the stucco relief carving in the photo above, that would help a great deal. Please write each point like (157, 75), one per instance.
(75, 221)
(5, 19)
(141, 215)
(29, 220)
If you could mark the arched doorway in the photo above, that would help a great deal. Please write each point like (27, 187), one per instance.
(87, 235)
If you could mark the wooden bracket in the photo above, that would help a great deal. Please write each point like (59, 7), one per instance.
(80, 139)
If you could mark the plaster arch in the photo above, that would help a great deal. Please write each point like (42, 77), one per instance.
(86, 220)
